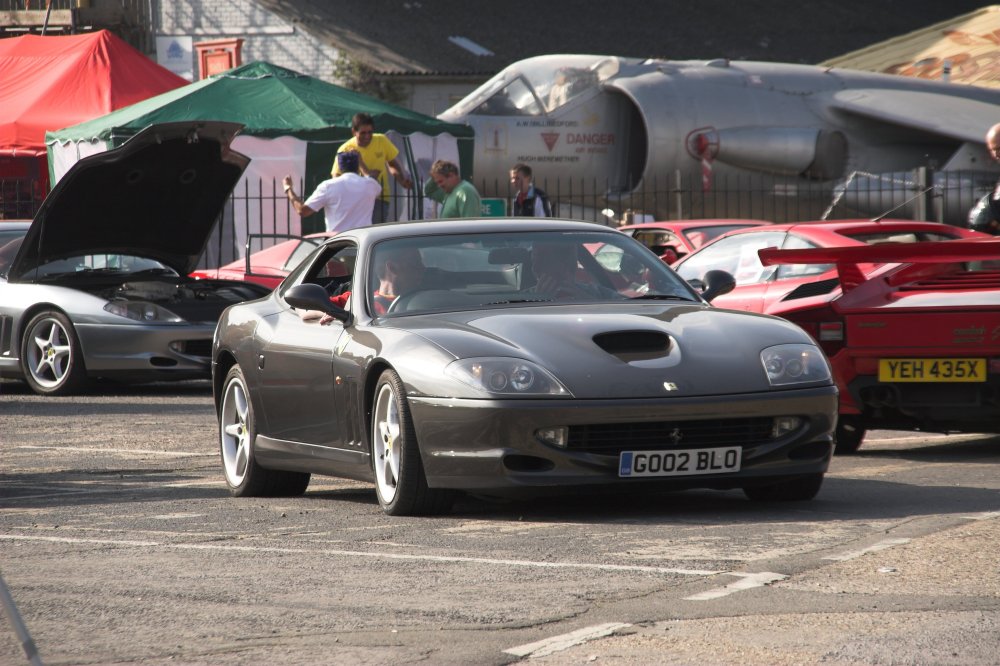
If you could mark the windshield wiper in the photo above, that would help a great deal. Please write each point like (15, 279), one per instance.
(661, 297)
(520, 300)
(154, 271)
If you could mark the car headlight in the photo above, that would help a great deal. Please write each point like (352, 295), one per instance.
(795, 364)
(141, 311)
(506, 376)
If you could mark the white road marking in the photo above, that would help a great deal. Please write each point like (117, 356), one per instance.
(173, 516)
(368, 554)
(881, 545)
(746, 582)
(555, 644)
(80, 449)
(986, 515)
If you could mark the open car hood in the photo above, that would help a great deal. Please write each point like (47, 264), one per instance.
(157, 196)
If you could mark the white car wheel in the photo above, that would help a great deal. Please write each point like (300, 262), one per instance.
(400, 482)
(237, 428)
(51, 360)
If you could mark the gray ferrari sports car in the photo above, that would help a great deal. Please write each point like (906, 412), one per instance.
(97, 284)
(512, 356)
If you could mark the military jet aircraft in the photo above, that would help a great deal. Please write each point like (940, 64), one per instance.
(632, 125)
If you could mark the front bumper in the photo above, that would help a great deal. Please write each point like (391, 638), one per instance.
(491, 444)
(181, 351)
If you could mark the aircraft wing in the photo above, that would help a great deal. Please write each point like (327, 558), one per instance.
(944, 115)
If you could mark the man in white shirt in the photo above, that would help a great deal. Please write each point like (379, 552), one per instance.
(347, 201)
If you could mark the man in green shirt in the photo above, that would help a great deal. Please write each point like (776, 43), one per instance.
(458, 198)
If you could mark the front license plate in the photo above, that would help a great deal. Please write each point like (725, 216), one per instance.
(932, 370)
(684, 462)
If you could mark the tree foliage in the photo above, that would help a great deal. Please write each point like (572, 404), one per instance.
(363, 79)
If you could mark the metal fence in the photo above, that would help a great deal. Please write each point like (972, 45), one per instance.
(262, 208)
(36, 5)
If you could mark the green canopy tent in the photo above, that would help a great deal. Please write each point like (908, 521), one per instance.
(293, 124)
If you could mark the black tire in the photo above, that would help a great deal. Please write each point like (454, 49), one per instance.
(849, 436)
(400, 482)
(51, 358)
(237, 430)
(798, 489)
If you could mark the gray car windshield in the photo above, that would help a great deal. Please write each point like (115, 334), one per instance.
(474, 271)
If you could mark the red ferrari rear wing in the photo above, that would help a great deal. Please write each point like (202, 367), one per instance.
(848, 259)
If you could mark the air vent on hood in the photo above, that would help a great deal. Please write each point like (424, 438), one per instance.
(634, 345)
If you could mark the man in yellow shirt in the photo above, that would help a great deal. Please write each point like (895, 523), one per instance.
(377, 155)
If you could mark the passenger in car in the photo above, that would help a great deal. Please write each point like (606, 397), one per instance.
(554, 266)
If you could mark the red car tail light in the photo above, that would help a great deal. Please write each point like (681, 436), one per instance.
(831, 331)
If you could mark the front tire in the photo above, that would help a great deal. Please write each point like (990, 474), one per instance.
(400, 482)
(51, 358)
(237, 428)
(798, 489)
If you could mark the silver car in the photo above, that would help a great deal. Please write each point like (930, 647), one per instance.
(512, 356)
(97, 284)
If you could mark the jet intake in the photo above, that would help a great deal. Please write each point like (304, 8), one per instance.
(789, 151)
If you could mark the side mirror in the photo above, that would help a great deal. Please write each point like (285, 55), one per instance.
(718, 283)
(314, 297)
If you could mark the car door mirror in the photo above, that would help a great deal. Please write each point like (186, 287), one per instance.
(717, 283)
(314, 297)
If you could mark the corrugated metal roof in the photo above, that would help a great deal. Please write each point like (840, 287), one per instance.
(969, 44)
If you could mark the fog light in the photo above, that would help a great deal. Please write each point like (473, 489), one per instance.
(177, 347)
(558, 436)
(784, 425)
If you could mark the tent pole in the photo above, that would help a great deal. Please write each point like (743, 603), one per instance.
(48, 13)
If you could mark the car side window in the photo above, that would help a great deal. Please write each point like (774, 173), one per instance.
(736, 255)
(789, 271)
(331, 267)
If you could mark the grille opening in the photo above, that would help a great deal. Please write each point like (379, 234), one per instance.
(613, 438)
(810, 451)
(519, 463)
(634, 345)
(161, 362)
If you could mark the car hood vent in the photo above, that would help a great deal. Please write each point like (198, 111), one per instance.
(632, 346)
(812, 289)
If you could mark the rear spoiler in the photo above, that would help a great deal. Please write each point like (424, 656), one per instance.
(848, 259)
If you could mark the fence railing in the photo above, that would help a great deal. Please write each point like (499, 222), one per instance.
(36, 5)
(262, 208)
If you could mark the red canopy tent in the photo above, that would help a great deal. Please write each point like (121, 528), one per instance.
(48, 83)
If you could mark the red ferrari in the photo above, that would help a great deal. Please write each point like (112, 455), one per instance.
(914, 345)
(672, 240)
(775, 289)
(269, 266)
(792, 270)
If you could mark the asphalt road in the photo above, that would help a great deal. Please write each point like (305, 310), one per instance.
(120, 545)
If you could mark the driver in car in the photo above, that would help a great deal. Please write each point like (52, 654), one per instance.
(400, 271)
